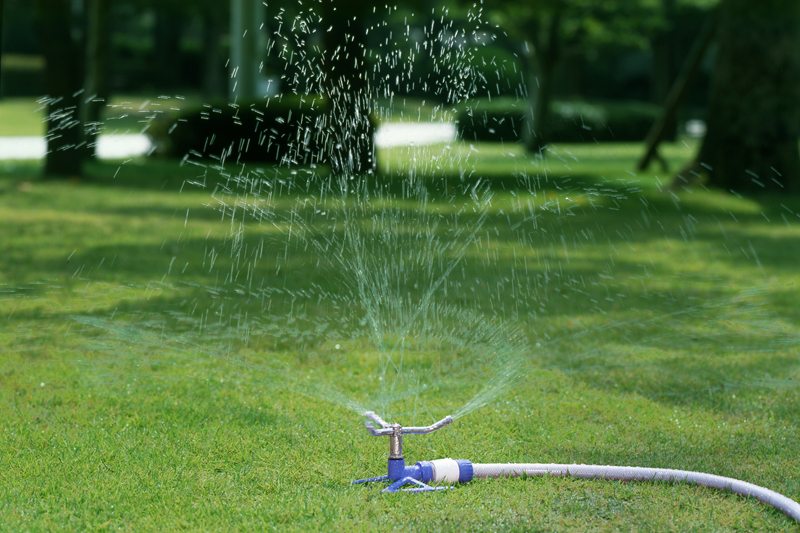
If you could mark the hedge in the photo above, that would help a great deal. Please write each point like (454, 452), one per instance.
(22, 75)
(279, 129)
(505, 120)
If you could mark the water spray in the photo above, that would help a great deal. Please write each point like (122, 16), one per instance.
(451, 471)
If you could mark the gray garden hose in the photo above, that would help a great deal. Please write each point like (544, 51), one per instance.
(633, 473)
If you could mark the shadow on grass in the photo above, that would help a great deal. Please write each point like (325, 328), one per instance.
(605, 318)
(173, 175)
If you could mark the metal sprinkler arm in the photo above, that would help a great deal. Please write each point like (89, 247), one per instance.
(389, 429)
(385, 428)
(428, 429)
(396, 440)
(395, 431)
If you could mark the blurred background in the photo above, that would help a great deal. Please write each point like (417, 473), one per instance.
(626, 51)
(619, 57)
(544, 72)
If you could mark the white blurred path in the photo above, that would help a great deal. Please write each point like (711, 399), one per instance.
(416, 133)
(108, 146)
(131, 145)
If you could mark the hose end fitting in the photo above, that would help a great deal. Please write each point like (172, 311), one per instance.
(465, 471)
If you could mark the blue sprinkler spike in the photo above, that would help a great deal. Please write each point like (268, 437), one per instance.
(421, 487)
(371, 480)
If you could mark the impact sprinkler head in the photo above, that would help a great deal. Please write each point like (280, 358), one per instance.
(446, 470)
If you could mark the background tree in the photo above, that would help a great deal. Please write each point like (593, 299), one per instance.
(349, 144)
(172, 21)
(96, 70)
(555, 29)
(2, 23)
(677, 93)
(61, 34)
(753, 116)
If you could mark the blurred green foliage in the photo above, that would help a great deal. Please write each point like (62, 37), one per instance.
(280, 129)
(572, 121)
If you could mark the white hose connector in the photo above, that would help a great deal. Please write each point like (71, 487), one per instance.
(445, 471)
(633, 473)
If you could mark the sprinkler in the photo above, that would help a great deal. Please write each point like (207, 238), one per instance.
(440, 470)
(451, 471)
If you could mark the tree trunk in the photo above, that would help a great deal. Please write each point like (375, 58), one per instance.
(545, 57)
(167, 53)
(665, 67)
(214, 75)
(2, 19)
(666, 121)
(349, 142)
(751, 143)
(97, 44)
(61, 39)
(246, 50)
(664, 60)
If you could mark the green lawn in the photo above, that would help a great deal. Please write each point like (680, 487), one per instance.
(25, 116)
(187, 348)
(22, 116)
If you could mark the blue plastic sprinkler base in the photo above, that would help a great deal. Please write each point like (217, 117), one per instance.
(420, 486)
(397, 486)
(371, 480)
(400, 475)
(417, 475)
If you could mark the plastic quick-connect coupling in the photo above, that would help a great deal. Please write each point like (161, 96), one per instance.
(451, 470)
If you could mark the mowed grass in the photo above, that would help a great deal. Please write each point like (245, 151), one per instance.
(661, 329)
(26, 116)
(131, 113)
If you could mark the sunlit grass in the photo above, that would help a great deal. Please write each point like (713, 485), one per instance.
(25, 116)
(21, 117)
(661, 331)
(130, 113)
